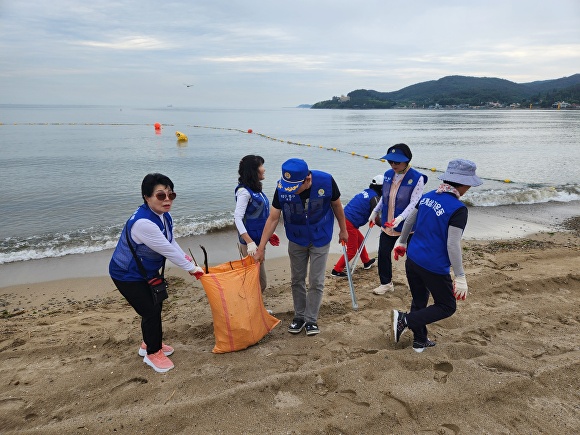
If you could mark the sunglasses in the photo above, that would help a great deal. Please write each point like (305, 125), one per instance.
(162, 195)
(393, 163)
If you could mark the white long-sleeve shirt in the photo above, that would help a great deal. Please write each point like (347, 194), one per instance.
(147, 232)
(415, 197)
(242, 200)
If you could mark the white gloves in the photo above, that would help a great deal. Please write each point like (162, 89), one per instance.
(373, 218)
(252, 248)
(197, 272)
(395, 222)
(460, 288)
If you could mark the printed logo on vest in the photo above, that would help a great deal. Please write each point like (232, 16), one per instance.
(320, 192)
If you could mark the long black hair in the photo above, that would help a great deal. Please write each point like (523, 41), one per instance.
(152, 180)
(248, 172)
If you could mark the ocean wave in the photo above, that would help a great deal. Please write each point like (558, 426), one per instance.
(13, 249)
(530, 194)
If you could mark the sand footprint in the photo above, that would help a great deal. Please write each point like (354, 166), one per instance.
(441, 371)
(133, 382)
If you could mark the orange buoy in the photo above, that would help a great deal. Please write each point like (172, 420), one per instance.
(157, 126)
(250, 130)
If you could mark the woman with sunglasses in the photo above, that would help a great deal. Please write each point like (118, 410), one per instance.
(402, 190)
(252, 209)
(150, 232)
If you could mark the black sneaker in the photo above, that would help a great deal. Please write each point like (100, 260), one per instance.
(312, 329)
(296, 326)
(369, 264)
(338, 274)
(399, 324)
(420, 347)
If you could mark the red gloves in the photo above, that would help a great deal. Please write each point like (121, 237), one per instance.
(400, 251)
(274, 240)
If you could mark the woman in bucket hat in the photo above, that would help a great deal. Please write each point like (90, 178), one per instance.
(440, 219)
(402, 189)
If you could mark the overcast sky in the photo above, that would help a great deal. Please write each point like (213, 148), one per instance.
(269, 53)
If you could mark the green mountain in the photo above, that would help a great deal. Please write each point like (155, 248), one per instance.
(462, 91)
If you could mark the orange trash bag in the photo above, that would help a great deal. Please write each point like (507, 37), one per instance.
(239, 317)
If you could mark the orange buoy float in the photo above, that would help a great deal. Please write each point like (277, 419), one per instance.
(250, 130)
(157, 126)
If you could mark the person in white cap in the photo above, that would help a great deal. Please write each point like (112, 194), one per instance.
(356, 212)
(440, 219)
(402, 189)
(309, 202)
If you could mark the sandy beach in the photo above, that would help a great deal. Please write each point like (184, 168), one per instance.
(507, 362)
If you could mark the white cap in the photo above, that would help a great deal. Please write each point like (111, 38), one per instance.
(378, 180)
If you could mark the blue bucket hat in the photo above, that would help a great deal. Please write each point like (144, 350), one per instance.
(294, 172)
(396, 154)
(461, 171)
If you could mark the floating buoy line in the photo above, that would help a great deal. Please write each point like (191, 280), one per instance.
(181, 137)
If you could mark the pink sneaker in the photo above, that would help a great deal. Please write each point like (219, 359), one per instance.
(167, 350)
(159, 362)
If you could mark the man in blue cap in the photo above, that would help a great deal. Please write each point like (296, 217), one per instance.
(441, 218)
(309, 202)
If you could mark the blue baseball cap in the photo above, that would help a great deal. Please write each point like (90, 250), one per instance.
(294, 172)
(396, 155)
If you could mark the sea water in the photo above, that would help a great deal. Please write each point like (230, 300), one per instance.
(71, 175)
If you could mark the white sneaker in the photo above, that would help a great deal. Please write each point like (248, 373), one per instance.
(384, 288)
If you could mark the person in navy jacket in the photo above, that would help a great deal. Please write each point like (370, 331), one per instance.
(150, 232)
(309, 200)
(440, 218)
(252, 209)
(356, 212)
(402, 189)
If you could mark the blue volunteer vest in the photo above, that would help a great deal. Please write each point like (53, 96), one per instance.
(256, 215)
(315, 223)
(122, 266)
(428, 247)
(358, 209)
(404, 193)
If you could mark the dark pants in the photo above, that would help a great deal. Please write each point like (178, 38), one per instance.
(139, 296)
(422, 283)
(385, 264)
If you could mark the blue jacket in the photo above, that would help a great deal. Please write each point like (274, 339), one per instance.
(404, 193)
(428, 247)
(122, 266)
(358, 209)
(313, 224)
(256, 214)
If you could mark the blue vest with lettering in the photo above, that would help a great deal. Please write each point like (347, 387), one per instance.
(256, 215)
(358, 209)
(122, 266)
(428, 247)
(404, 193)
(314, 223)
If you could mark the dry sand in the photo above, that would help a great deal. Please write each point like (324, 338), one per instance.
(507, 362)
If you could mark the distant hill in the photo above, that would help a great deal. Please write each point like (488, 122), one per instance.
(463, 91)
